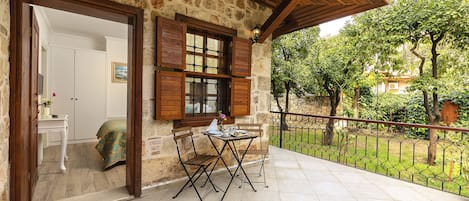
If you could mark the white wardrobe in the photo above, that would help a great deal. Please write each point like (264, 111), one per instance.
(78, 80)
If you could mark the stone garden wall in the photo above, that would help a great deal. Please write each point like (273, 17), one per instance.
(317, 105)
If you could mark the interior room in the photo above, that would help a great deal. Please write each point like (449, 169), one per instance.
(82, 84)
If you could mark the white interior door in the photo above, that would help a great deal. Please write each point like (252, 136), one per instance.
(90, 93)
(62, 79)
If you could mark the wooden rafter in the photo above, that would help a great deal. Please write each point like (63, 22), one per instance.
(269, 4)
(277, 17)
(302, 17)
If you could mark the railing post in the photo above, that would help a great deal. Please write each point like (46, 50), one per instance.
(281, 128)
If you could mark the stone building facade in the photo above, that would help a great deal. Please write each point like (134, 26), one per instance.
(160, 161)
(159, 152)
(4, 96)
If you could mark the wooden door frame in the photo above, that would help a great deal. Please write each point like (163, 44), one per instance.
(101, 9)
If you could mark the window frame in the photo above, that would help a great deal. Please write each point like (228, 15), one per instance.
(205, 55)
(217, 32)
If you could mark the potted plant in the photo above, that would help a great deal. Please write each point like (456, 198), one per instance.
(221, 118)
(46, 107)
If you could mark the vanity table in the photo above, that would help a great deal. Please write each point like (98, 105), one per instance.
(54, 125)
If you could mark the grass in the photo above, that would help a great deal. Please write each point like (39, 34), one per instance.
(391, 155)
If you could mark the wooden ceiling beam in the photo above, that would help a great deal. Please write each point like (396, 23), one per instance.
(277, 17)
(320, 16)
(269, 4)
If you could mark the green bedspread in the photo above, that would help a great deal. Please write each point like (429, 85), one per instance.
(112, 142)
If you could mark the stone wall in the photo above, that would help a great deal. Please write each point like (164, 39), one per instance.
(318, 105)
(159, 152)
(4, 96)
(159, 155)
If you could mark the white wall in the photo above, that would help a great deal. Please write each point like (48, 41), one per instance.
(116, 100)
(76, 41)
(44, 27)
(44, 32)
(43, 62)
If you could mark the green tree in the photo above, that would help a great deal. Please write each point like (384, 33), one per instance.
(371, 48)
(334, 69)
(288, 71)
(428, 21)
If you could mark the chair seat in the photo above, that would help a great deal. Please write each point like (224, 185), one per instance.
(255, 151)
(201, 160)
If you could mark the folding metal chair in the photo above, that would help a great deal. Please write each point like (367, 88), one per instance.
(261, 149)
(181, 135)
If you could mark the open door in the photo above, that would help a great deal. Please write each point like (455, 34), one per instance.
(24, 47)
(20, 103)
(34, 99)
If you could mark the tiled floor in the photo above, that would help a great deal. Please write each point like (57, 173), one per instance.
(296, 177)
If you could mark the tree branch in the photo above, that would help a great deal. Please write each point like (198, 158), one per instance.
(436, 106)
(426, 103)
(422, 58)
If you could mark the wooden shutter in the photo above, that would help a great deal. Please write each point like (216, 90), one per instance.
(241, 57)
(240, 96)
(170, 43)
(170, 93)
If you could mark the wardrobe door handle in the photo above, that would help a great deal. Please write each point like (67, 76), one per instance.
(76, 99)
(71, 98)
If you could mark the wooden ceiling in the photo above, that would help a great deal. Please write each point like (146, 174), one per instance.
(292, 15)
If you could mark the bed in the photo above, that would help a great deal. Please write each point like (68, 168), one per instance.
(112, 142)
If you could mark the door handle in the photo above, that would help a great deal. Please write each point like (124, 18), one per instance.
(71, 98)
(76, 99)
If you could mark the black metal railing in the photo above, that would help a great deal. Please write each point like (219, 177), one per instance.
(394, 149)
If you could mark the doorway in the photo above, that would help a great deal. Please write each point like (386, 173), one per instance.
(23, 87)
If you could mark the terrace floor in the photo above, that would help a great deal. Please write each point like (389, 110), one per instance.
(294, 177)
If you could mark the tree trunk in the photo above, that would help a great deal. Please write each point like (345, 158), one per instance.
(287, 104)
(276, 96)
(356, 105)
(431, 157)
(334, 98)
(283, 124)
(434, 119)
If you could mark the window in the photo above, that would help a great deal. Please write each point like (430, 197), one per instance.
(205, 58)
(201, 70)
(393, 85)
(202, 96)
(205, 53)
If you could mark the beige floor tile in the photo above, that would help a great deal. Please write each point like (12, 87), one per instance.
(288, 173)
(286, 164)
(404, 194)
(335, 198)
(293, 186)
(330, 188)
(319, 176)
(261, 196)
(298, 197)
(323, 181)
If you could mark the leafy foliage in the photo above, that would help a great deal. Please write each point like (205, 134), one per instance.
(288, 53)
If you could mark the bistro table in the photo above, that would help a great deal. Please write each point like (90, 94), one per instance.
(239, 157)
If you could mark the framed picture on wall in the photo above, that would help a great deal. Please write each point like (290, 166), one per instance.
(119, 72)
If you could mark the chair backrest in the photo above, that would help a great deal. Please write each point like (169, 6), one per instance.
(179, 136)
(254, 129)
